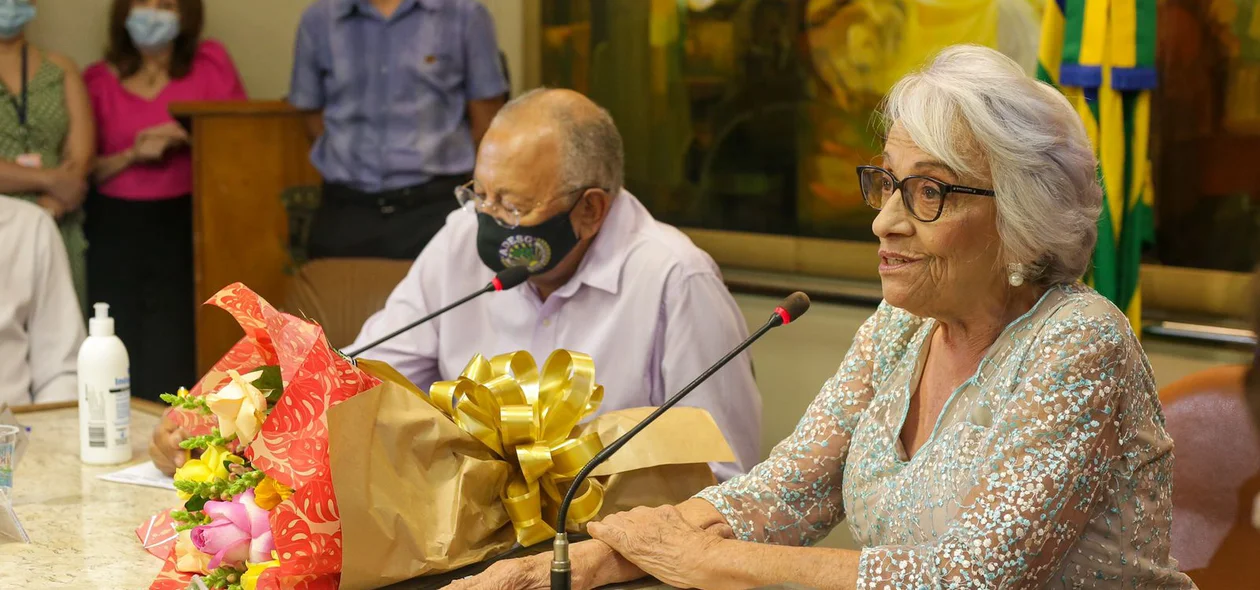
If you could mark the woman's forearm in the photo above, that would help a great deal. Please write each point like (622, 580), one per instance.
(739, 564)
(110, 166)
(15, 179)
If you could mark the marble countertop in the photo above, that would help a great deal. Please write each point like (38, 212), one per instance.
(82, 528)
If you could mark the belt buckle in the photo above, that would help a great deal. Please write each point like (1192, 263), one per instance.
(386, 208)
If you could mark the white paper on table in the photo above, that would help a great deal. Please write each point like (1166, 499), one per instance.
(144, 474)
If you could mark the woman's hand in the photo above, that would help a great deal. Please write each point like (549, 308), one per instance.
(164, 448)
(660, 542)
(149, 148)
(54, 207)
(170, 130)
(152, 143)
(66, 184)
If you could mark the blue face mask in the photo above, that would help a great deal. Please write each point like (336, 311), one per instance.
(151, 28)
(14, 14)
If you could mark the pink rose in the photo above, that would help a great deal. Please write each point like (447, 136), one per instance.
(238, 531)
(187, 558)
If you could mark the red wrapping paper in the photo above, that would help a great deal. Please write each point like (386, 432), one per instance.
(292, 446)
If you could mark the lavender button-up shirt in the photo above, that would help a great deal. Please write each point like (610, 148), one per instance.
(647, 304)
(394, 91)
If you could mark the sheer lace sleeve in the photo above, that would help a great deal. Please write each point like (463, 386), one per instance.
(794, 497)
(1056, 443)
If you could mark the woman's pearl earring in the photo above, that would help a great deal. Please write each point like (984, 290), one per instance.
(1016, 278)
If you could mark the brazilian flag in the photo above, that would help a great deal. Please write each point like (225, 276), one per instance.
(1101, 55)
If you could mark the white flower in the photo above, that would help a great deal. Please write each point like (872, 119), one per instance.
(239, 406)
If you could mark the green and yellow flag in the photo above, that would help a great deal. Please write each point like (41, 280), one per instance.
(1101, 55)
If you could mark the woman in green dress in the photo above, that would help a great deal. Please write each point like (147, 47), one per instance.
(46, 132)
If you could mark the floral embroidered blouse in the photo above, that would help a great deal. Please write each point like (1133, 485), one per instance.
(1049, 467)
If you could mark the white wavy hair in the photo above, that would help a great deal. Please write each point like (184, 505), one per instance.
(976, 110)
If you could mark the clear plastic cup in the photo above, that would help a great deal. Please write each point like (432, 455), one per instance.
(8, 440)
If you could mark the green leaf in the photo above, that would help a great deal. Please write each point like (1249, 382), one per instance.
(195, 504)
(196, 404)
(270, 383)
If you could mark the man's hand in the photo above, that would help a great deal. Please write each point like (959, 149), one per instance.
(593, 563)
(526, 573)
(164, 447)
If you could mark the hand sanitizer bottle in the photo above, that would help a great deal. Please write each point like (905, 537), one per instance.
(104, 394)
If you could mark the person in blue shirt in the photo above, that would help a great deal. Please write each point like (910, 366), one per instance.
(401, 92)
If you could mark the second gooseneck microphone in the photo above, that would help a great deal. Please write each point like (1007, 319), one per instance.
(506, 279)
(793, 307)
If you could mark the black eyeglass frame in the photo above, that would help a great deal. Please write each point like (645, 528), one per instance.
(945, 187)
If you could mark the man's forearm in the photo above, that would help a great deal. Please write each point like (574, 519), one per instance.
(596, 565)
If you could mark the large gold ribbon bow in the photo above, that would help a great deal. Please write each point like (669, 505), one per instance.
(529, 419)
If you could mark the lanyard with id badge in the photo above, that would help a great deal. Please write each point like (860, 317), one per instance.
(29, 159)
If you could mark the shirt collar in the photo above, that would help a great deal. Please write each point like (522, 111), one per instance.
(348, 7)
(601, 266)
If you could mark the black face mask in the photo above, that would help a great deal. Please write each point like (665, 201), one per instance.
(539, 247)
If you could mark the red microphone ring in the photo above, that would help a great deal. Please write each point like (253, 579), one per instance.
(498, 285)
(787, 319)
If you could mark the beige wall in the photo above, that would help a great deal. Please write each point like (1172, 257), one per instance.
(258, 33)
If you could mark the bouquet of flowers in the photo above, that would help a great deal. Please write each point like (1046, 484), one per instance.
(259, 510)
(288, 434)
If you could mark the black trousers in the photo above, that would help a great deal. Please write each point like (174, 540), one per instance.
(394, 224)
(140, 262)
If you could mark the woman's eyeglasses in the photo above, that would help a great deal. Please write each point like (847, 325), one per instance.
(923, 196)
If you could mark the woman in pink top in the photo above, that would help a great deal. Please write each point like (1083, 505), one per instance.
(139, 226)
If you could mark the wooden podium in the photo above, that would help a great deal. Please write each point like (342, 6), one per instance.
(245, 154)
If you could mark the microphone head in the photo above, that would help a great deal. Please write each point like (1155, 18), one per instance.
(792, 307)
(510, 278)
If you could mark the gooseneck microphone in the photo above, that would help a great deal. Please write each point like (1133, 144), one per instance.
(792, 308)
(506, 279)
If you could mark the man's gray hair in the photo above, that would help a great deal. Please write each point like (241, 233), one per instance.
(976, 110)
(591, 151)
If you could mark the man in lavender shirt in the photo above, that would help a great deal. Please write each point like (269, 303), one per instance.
(609, 280)
(404, 90)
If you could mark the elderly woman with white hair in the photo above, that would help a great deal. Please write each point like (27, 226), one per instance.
(995, 423)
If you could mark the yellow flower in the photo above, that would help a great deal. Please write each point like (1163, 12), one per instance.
(239, 407)
(249, 580)
(206, 468)
(187, 558)
(270, 493)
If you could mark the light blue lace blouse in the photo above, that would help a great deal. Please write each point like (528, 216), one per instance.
(1049, 467)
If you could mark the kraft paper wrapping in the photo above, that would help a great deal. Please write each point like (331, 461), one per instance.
(425, 494)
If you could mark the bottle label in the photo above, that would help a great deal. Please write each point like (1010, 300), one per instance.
(122, 415)
(108, 422)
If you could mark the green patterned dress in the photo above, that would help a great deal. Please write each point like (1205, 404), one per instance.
(48, 124)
